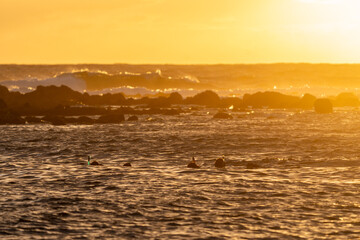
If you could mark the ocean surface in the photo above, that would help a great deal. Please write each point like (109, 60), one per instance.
(289, 175)
(188, 80)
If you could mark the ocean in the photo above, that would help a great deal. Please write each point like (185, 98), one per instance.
(289, 175)
(188, 80)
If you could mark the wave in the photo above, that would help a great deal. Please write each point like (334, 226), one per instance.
(67, 79)
(150, 80)
(129, 83)
(100, 82)
(133, 80)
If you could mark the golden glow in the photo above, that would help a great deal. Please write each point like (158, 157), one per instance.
(179, 31)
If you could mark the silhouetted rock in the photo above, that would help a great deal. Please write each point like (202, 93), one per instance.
(208, 98)
(252, 165)
(175, 98)
(220, 163)
(125, 110)
(8, 117)
(111, 118)
(307, 101)
(70, 120)
(127, 164)
(346, 100)
(160, 102)
(84, 120)
(271, 100)
(133, 118)
(31, 119)
(222, 115)
(3, 105)
(55, 120)
(51, 96)
(323, 105)
(4, 91)
(193, 164)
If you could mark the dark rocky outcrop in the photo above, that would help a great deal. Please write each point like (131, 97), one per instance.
(208, 98)
(55, 120)
(3, 105)
(160, 102)
(223, 115)
(323, 105)
(9, 117)
(111, 118)
(84, 120)
(271, 100)
(76, 111)
(307, 101)
(133, 118)
(51, 96)
(220, 163)
(31, 119)
(252, 165)
(346, 100)
(193, 164)
(64, 103)
(175, 98)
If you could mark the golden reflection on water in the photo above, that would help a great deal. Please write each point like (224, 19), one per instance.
(290, 175)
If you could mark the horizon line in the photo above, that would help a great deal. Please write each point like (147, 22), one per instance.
(185, 64)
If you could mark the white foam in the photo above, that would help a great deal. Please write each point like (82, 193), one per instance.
(66, 79)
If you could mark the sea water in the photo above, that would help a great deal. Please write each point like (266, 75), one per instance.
(289, 175)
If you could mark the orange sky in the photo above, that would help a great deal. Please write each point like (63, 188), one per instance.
(179, 31)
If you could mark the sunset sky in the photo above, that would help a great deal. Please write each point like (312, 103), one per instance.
(179, 31)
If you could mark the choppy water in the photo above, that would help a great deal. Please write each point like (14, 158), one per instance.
(306, 186)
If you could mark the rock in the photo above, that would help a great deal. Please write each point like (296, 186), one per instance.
(111, 118)
(208, 98)
(175, 98)
(222, 115)
(133, 118)
(84, 120)
(70, 120)
(8, 117)
(220, 163)
(323, 105)
(193, 164)
(271, 100)
(171, 112)
(55, 120)
(307, 101)
(127, 164)
(3, 105)
(160, 102)
(31, 119)
(346, 99)
(252, 165)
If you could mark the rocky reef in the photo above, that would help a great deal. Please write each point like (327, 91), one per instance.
(323, 105)
(62, 105)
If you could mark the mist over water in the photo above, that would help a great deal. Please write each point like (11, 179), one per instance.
(289, 175)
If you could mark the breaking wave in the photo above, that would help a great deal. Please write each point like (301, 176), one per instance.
(67, 79)
(100, 82)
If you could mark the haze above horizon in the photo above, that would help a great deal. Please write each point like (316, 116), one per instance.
(179, 31)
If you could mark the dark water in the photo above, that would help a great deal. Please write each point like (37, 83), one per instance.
(305, 184)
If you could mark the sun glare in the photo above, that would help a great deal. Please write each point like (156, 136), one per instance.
(322, 1)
